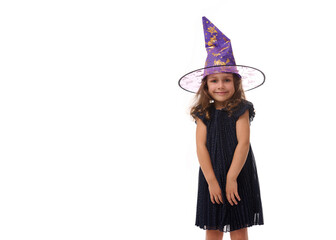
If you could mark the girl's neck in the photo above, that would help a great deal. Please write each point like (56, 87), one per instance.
(221, 105)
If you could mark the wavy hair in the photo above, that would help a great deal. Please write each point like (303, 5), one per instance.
(202, 98)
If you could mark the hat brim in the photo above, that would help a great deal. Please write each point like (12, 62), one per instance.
(251, 77)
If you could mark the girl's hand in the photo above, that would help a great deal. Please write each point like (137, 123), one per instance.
(215, 192)
(231, 190)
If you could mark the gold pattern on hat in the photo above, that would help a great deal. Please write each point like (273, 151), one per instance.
(212, 41)
(219, 62)
(223, 49)
(212, 30)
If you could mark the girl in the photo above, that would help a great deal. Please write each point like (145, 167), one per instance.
(229, 197)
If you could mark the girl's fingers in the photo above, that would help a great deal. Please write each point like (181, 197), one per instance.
(233, 198)
(221, 199)
(216, 199)
(229, 198)
(237, 196)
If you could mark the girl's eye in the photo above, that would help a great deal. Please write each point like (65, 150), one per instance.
(227, 80)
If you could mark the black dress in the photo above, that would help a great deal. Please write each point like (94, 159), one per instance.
(221, 143)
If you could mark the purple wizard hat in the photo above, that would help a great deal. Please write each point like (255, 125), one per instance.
(220, 59)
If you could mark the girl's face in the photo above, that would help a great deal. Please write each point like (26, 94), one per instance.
(221, 87)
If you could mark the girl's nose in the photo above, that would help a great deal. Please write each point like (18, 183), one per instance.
(221, 84)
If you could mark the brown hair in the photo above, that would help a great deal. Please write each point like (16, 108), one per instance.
(202, 98)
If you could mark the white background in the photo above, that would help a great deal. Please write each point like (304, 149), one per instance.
(96, 140)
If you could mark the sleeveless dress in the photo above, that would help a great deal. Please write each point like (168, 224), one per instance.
(221, 143)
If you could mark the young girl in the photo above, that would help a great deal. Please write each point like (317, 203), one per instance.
(229, 197)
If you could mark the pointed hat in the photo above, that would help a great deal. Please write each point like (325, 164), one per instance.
(220, 59)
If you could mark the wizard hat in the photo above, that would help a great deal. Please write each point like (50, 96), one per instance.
(220, 59)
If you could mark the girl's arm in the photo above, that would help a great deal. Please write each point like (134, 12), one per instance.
(243, 146)
(215, 191)
(202, 152)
